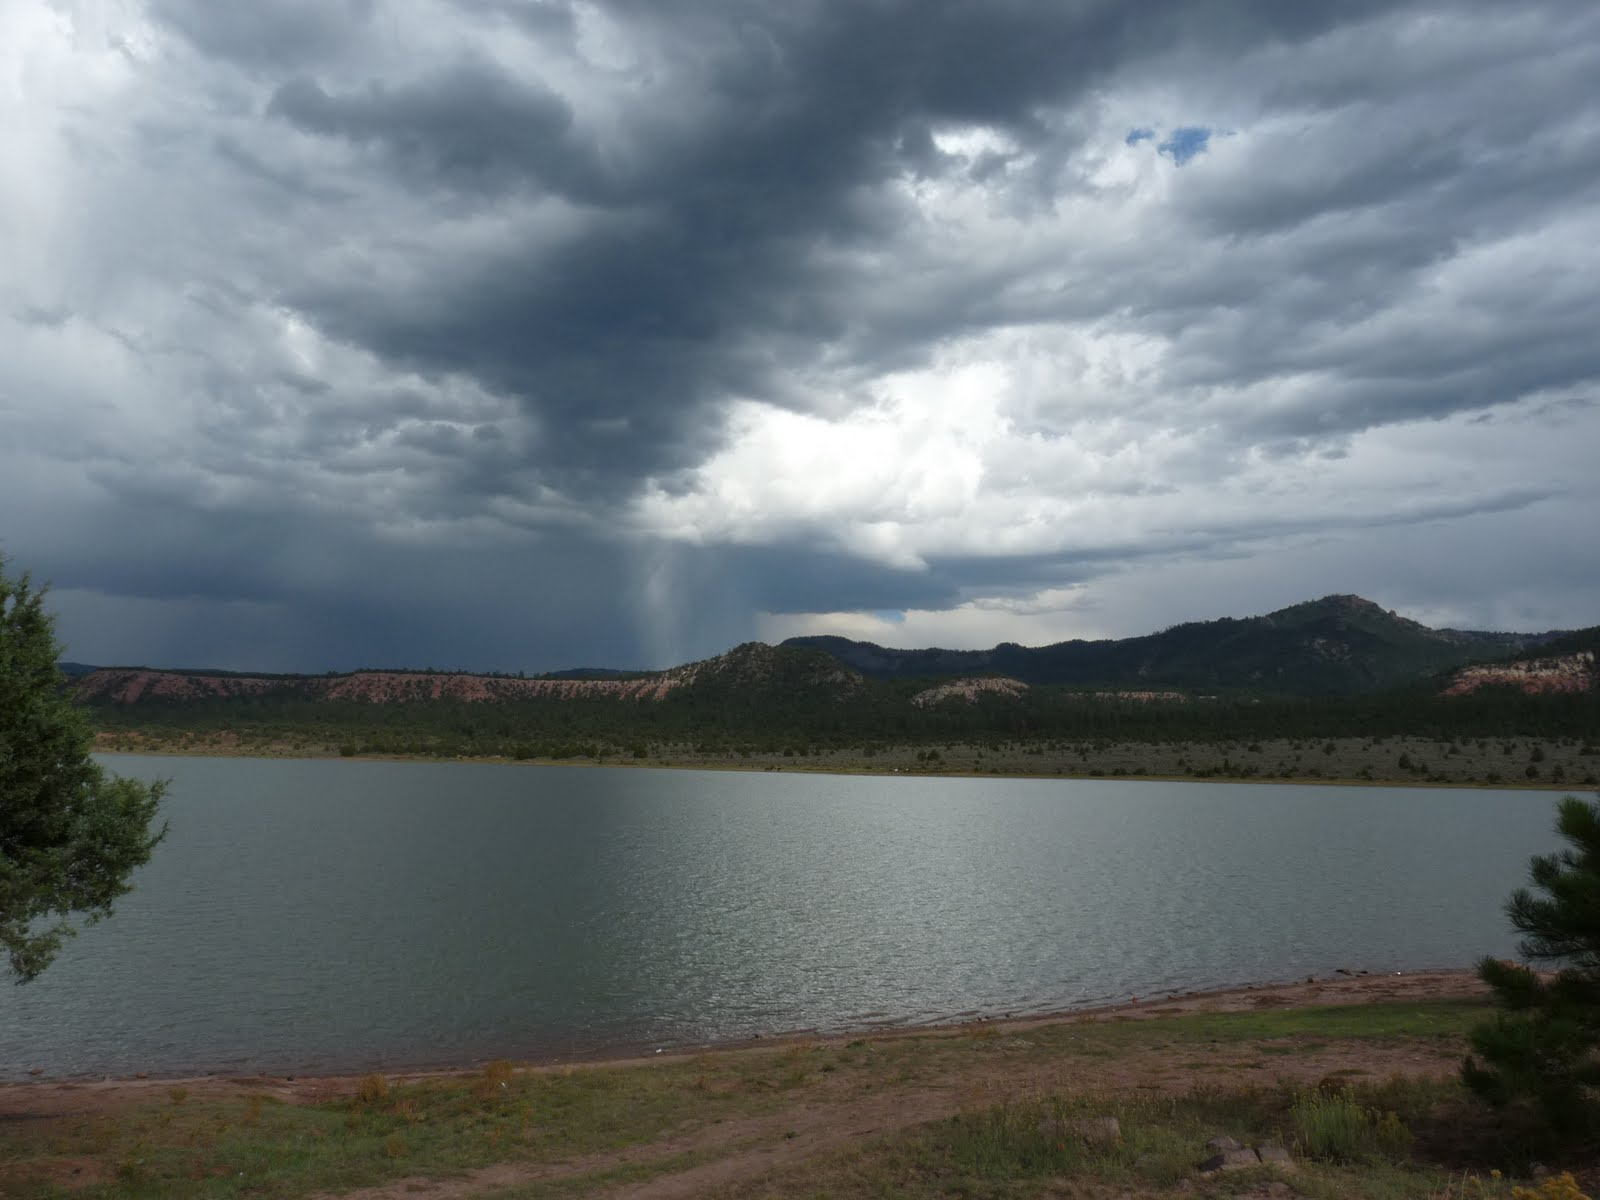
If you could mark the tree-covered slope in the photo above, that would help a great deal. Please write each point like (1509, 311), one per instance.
(1339, 645)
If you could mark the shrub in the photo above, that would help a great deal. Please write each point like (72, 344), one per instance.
(373, 1089)
(1334, 1127)
(1555, 1187)
(1543, 1048)
(71, 833)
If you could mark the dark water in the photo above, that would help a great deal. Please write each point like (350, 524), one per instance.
(342, 915)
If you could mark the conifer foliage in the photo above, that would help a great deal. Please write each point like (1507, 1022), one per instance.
(71, 833)
(1543, 1047)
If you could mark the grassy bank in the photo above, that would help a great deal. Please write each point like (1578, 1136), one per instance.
(1561, 764)
(1362, 1096)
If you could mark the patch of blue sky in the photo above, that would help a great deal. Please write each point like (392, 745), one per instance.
(1135, 136)
(891, 616)
(1184, 143)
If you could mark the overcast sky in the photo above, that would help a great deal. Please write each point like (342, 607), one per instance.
(524, 334)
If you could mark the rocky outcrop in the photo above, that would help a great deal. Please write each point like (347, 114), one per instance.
(118, 685)
(1139, 697)
(969, 690)
(750, 666)
(1564, 673)
(1229, 1154)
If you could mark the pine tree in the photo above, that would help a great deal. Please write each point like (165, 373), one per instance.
(1544, 1046)
(71, 833)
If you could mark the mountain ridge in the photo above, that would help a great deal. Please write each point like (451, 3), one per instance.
(1336, 645)
(1339, 644)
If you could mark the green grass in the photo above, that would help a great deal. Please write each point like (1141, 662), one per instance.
(1277, 1032)
(260, 1146)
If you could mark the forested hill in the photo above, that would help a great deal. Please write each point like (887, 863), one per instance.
(1334, 668)
(1339, 645)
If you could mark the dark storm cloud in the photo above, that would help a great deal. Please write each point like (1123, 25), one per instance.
(786, 580)
(335, 308)
(951, 578)
(470, 127)
(270, 593)
(782, 581)
(297, 186)
(727, 274)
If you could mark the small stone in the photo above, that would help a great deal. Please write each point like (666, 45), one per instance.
(1230, 1160)
(1099, 1131)
(1223, 1144)
(1276, 1156)
(1091, 1131)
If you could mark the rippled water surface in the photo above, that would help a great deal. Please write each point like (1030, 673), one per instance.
(341, 915)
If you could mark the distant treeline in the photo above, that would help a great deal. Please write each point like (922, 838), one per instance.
(728, 719)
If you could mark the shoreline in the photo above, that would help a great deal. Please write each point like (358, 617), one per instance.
(903, 1113)
(1525, 785)
(1343, 987)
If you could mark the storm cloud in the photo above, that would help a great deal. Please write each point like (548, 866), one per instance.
(518, 334)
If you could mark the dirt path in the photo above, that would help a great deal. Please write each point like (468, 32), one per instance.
(737, 1152)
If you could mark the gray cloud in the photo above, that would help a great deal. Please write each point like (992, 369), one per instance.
(468, 127)
(268, 36)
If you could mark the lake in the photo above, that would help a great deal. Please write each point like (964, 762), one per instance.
(346, 915)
